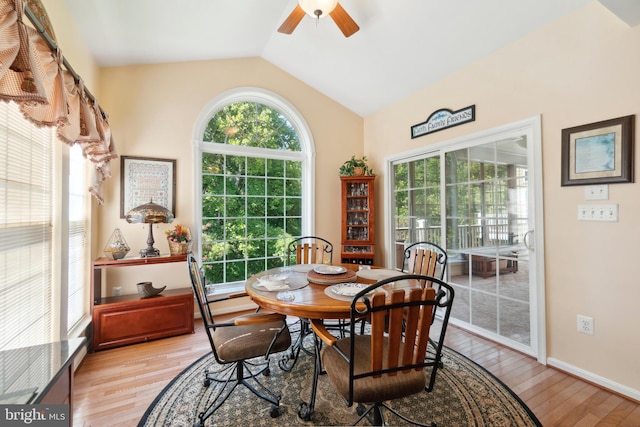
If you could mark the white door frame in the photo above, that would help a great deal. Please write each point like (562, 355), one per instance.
(531, 127)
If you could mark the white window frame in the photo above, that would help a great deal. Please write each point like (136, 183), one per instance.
(306, 155)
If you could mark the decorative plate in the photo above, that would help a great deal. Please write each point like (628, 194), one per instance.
(329, 269)
(348, 289)
(280, 282)
(273, 282)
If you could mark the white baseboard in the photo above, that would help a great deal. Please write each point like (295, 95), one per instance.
(595, 379)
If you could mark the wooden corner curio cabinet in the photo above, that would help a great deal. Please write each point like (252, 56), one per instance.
(357, 219)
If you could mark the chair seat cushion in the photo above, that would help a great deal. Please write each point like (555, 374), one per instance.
(235, 343)
(368, 389)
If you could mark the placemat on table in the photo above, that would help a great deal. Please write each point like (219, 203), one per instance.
(379, 273)
(329, 279)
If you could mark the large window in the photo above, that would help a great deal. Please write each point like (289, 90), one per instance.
(26, 231)
(42, 249)
(78, 259)
(252, 178)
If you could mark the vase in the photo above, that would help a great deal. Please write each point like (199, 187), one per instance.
(358, 171)
(116, 247)
(179, 248)
(146, 290)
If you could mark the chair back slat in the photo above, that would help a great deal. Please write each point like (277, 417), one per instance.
(411, 263)
(378, 319)
(317, 255)
(424, 320)
(411, 327)
(396, 324)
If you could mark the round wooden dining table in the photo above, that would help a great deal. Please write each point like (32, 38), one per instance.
(308, 299)
(303, 297)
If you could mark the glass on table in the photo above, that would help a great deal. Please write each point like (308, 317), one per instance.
(285, 296)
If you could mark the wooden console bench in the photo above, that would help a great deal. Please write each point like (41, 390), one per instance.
(485, 266)
(129, 319)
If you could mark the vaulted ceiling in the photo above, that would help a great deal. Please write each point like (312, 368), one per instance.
(402, 45)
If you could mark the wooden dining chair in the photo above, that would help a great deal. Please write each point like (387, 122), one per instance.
(306, 250)
(425, 258)
(309, 250)
(428, 259)
(388, 361)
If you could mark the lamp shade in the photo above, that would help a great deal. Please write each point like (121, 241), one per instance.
(149, 213)
(318, 8)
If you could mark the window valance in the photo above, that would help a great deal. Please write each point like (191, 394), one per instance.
(34, 74)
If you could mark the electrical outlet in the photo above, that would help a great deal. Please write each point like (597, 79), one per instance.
(585, 324)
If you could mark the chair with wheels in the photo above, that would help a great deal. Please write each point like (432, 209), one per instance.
(389, 361)
(241, 346)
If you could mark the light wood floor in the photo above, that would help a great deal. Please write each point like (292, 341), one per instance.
(115, 387)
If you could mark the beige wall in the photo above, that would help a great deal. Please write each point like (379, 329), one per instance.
(579, 70)
(153, 112)
(70, 41)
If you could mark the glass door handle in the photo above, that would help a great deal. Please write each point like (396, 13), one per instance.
(527, 240)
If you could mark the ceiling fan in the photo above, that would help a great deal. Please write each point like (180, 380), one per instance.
(319, 9)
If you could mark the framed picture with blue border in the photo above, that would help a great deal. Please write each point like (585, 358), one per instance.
(598, 153)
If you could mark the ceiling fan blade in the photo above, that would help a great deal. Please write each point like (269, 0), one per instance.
(342, 19)
(292, 21)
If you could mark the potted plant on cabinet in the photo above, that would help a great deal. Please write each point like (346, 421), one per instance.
(355, 167)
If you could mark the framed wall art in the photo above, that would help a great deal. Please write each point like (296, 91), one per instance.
(598, 153)
(143, 179)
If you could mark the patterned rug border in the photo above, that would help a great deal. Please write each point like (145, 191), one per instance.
(462, 391)
(499, 381)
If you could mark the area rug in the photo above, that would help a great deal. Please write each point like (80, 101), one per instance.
(465, 394)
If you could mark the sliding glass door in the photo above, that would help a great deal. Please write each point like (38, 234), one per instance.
(476, 197)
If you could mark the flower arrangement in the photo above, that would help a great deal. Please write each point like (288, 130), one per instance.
(179, 239)
(179, 234)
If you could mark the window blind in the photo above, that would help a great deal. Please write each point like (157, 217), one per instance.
(77, 285)
(26, 154)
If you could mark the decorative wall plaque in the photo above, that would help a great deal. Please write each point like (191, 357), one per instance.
(444, 119)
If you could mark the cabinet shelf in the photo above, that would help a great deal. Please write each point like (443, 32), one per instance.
(129, 319)
(357, 219)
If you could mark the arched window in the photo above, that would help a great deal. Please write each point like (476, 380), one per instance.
(255, 181)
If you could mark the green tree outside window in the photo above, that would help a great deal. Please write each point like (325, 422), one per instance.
(251, 203)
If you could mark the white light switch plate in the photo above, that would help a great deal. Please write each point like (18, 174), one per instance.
(596, 192)
(597, 212)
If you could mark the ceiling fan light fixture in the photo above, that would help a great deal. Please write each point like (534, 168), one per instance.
(318, 8)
